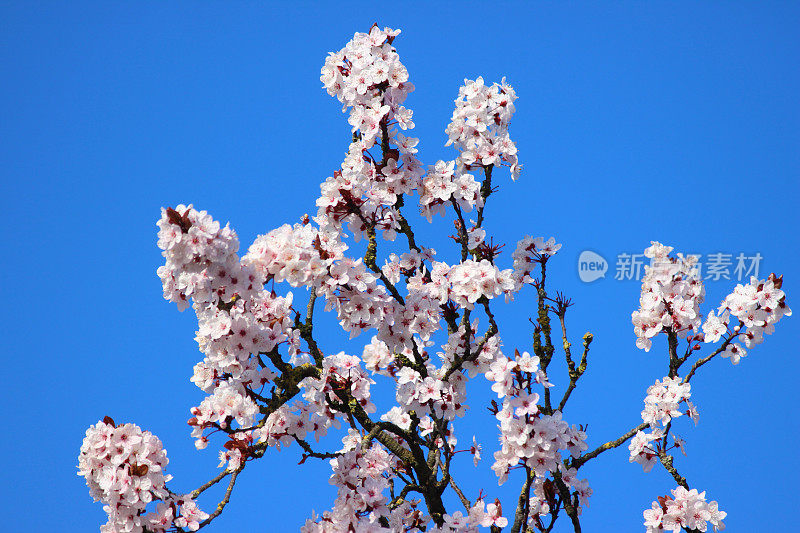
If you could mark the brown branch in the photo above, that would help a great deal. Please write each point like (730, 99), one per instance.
(460, 360)
(545, 352)
(521, 514)
(307, 329)
(666, 461)
(486, 190)
(216, 479)
(485, 301)
(674, 360)
(462, 231)
(464, 500)
(287, 384)
(574, 373)
(309, 452)
(700, 362)
(580, 461)
(405, 227)
(566, 501)
(225, 499)
(414, 458)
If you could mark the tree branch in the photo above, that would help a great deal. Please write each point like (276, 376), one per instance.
(225, 499)
(580, 461)
(700, 362)
(521, 514)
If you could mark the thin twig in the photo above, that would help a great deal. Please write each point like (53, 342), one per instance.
(464, 500)
(700, 362)
(580, 461)
(216, 479)
(225, 499)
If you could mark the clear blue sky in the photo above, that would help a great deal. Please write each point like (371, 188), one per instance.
(636, 121)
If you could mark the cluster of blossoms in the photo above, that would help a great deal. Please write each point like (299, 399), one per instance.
(758, 306)
(472, 280)
(672, 292)
(362, 302)
(406, 264)
(663, 400)
(531, 438)
(228, 402)
(643, 451)
(684, 510)
(479, 130)
(479, 126)
(366, 191)
(434, 284)
(443, 184)
(124, 469)
(661, 405)
(529, 253)
(362, 478)
(429, 395)
(490, 515)
(368, 77)
(201, 261)
(340, 379)
(299, 255)
(480, 514)
(427, 392)
(465, 338)
(237, 318)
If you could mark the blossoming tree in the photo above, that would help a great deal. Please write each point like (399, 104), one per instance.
(271, 382)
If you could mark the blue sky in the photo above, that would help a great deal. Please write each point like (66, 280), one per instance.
(677, 122)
